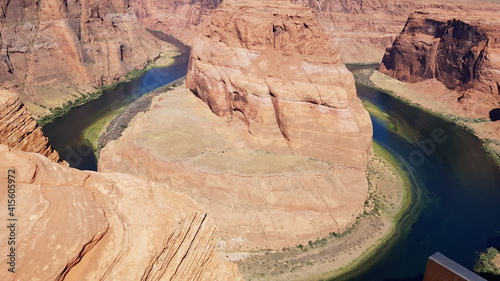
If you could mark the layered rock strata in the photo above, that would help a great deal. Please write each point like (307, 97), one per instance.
(269, 64)
(76, 225)
(52, 50)
(361, 30)
(19, 130)
(460, 50)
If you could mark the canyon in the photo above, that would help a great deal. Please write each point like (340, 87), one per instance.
(258, 152)
(359, 30)
(53, 51)
(271, 66)
(272, 148)
(176, 17)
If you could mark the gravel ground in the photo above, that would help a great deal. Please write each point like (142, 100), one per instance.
(121, 121)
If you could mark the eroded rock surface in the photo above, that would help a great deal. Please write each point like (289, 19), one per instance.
(19, 130)
(269, 64)
(51, 50)
(460, 50)
(176, 17)
(76, 225)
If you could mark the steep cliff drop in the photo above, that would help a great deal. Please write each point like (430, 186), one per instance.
(74, 225)
(276, 84)
(18, 128)
(53, 51)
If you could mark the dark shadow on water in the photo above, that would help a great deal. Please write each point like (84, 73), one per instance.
(418, 277)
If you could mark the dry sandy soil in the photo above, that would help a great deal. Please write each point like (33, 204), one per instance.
(496, 261)
(336, 254)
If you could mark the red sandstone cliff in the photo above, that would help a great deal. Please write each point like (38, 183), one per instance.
(78, 225)
(19, 130)
(460, 50)
(361, 30)
(270, 64)
(51, 50)
(176, 17)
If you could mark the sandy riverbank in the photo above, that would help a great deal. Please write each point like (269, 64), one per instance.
(433, 97)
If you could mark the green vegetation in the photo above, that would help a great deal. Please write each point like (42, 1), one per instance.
(399, 220)
(374, 204)
(67, 106)
(380, 207)
(485, 261)
(87, 97)
(94, 131)
(380, 115)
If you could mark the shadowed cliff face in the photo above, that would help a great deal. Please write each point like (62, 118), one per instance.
(50, 50)
(459, 50)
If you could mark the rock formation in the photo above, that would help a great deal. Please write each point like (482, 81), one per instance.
(259, 200)
(176, 17)
(269, 64)
(459, 49)
(361, 30)
(19, 130)
(76, 225)
(51, 50)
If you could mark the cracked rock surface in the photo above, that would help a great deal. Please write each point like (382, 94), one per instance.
(78, 225)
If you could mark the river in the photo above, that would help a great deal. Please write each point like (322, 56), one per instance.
(66, 133)
(456, 206)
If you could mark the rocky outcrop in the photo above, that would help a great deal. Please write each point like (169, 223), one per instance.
(76, 225)
(460, 50)
(259, 200)
(19, 130)
(52, 50)
(176, 17)
(269, 64)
